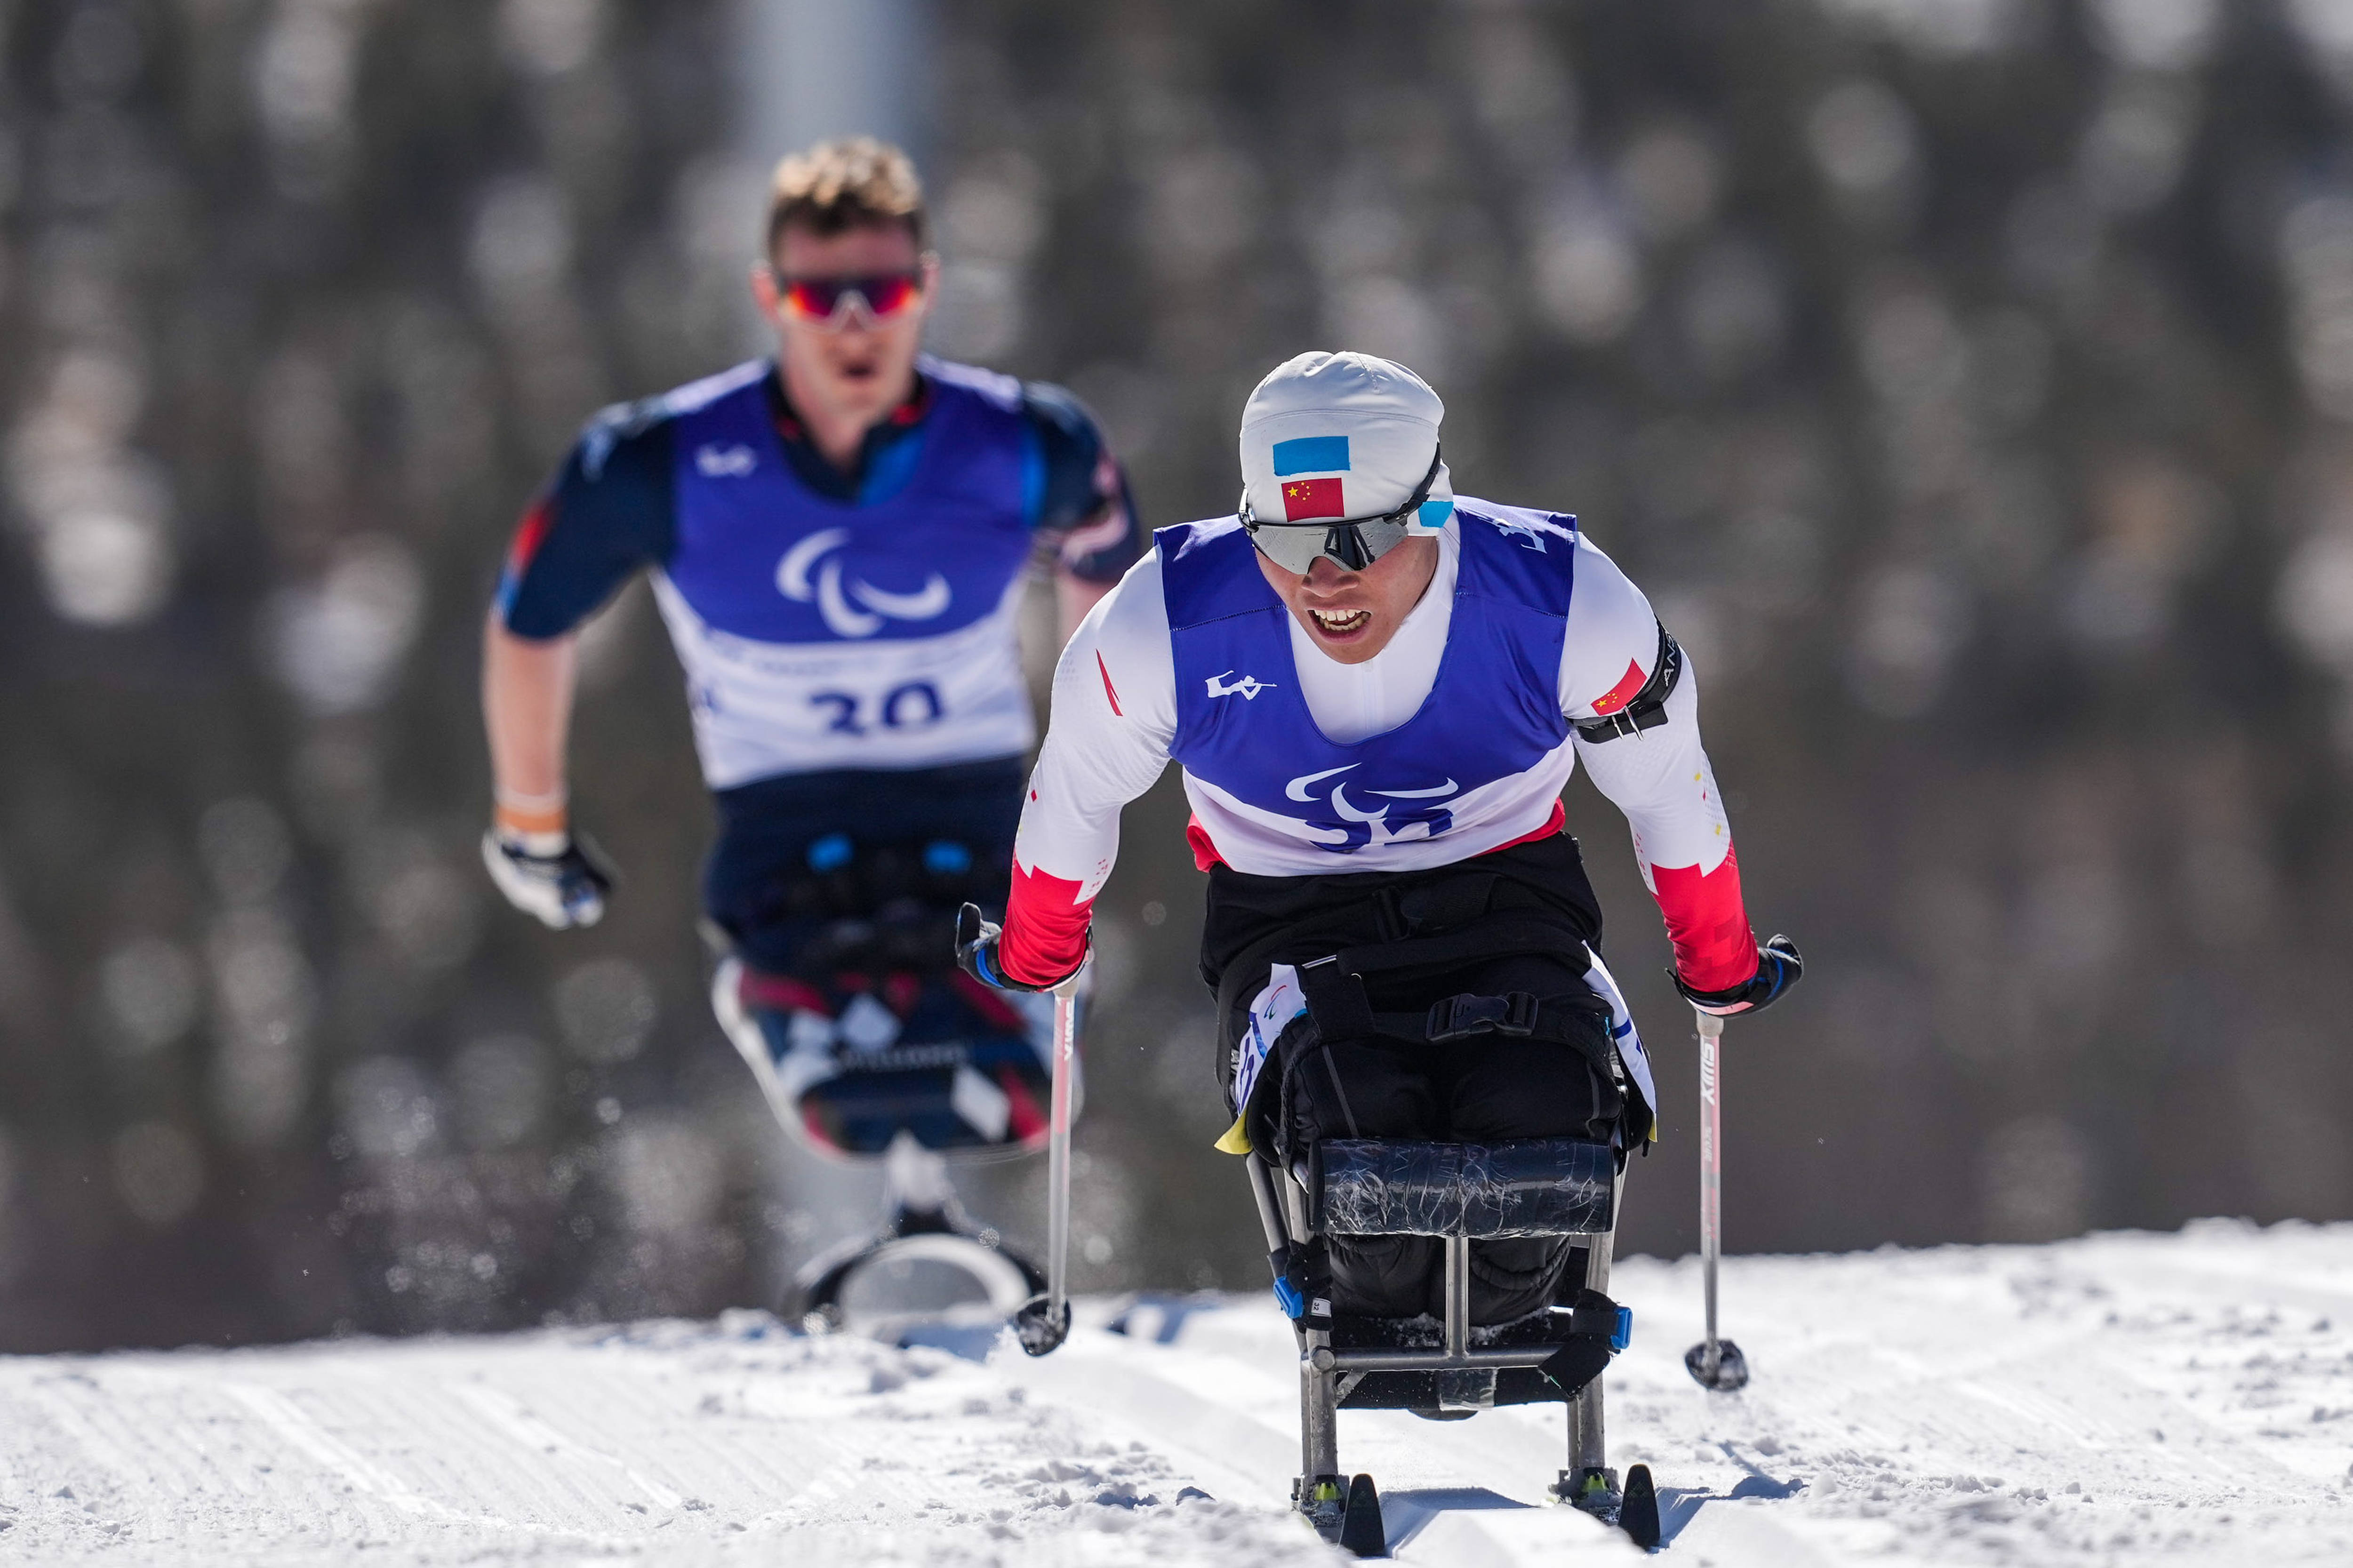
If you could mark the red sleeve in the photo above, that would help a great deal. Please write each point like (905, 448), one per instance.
(1715, 949)
(1045, 935)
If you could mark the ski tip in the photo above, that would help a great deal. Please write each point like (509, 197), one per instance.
(1361, 1531)
(1638, 1508)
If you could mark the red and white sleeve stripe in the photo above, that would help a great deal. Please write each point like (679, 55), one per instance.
(1659, 777)
(1115, 713)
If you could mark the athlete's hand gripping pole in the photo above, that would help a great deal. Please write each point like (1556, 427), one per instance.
(1715, 1362)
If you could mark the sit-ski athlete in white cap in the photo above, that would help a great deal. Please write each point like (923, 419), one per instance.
(1376, 690)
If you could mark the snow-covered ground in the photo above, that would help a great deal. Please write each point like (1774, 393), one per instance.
(2125, 1399)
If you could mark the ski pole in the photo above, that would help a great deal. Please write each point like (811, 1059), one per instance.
(1715, 1362)
(1044, 1321)
(1058, 1161)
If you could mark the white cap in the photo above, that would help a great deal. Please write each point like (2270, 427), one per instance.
(1342, 435)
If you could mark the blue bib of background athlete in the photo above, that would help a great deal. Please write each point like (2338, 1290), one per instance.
(760, 555)
(1243, 725)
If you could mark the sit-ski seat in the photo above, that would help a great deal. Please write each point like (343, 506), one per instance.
(1447, 1368)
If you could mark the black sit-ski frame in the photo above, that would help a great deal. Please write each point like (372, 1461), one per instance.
(1296, 1207)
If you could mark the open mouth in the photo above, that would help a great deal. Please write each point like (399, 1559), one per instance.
(1341, 623)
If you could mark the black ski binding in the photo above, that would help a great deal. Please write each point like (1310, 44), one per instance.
(1345, 1512)
(1634, 1510)
(1593, 1491)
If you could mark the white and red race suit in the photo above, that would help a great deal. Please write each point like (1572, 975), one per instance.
(1525, 631)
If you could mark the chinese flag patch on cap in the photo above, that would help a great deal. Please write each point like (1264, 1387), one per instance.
(1304, 499)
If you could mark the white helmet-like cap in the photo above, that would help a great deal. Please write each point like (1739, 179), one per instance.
(1343, 436)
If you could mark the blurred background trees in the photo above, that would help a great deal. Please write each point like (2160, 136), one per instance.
(1965, 380)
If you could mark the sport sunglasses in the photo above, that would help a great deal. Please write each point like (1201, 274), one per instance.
(1356, 542)
(827, 301)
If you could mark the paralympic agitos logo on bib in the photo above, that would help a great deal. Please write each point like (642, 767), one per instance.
(810, 574)
(1361, 827)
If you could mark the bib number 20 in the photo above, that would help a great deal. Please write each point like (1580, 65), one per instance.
(907, 707)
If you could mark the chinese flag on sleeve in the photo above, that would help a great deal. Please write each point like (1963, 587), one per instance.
(1622, 693)
(1304, 499)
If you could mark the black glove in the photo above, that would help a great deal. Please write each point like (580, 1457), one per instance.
(565, 890)
(976, 939)
(1777, 968)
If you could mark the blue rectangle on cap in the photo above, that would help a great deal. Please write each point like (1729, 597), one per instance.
(1312, 455)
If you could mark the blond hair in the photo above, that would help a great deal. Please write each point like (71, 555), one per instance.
(839, 185)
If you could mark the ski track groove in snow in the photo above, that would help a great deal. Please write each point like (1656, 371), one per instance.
(2126, 1399)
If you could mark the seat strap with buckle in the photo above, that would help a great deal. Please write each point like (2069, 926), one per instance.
(1562, 1021)
(1336, 1000)
(1334, 984)
(1460, 1017)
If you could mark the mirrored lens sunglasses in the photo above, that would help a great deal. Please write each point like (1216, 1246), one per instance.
(1353, 542)
(825, 300)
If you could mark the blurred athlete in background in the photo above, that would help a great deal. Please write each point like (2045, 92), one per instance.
(838, 539)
